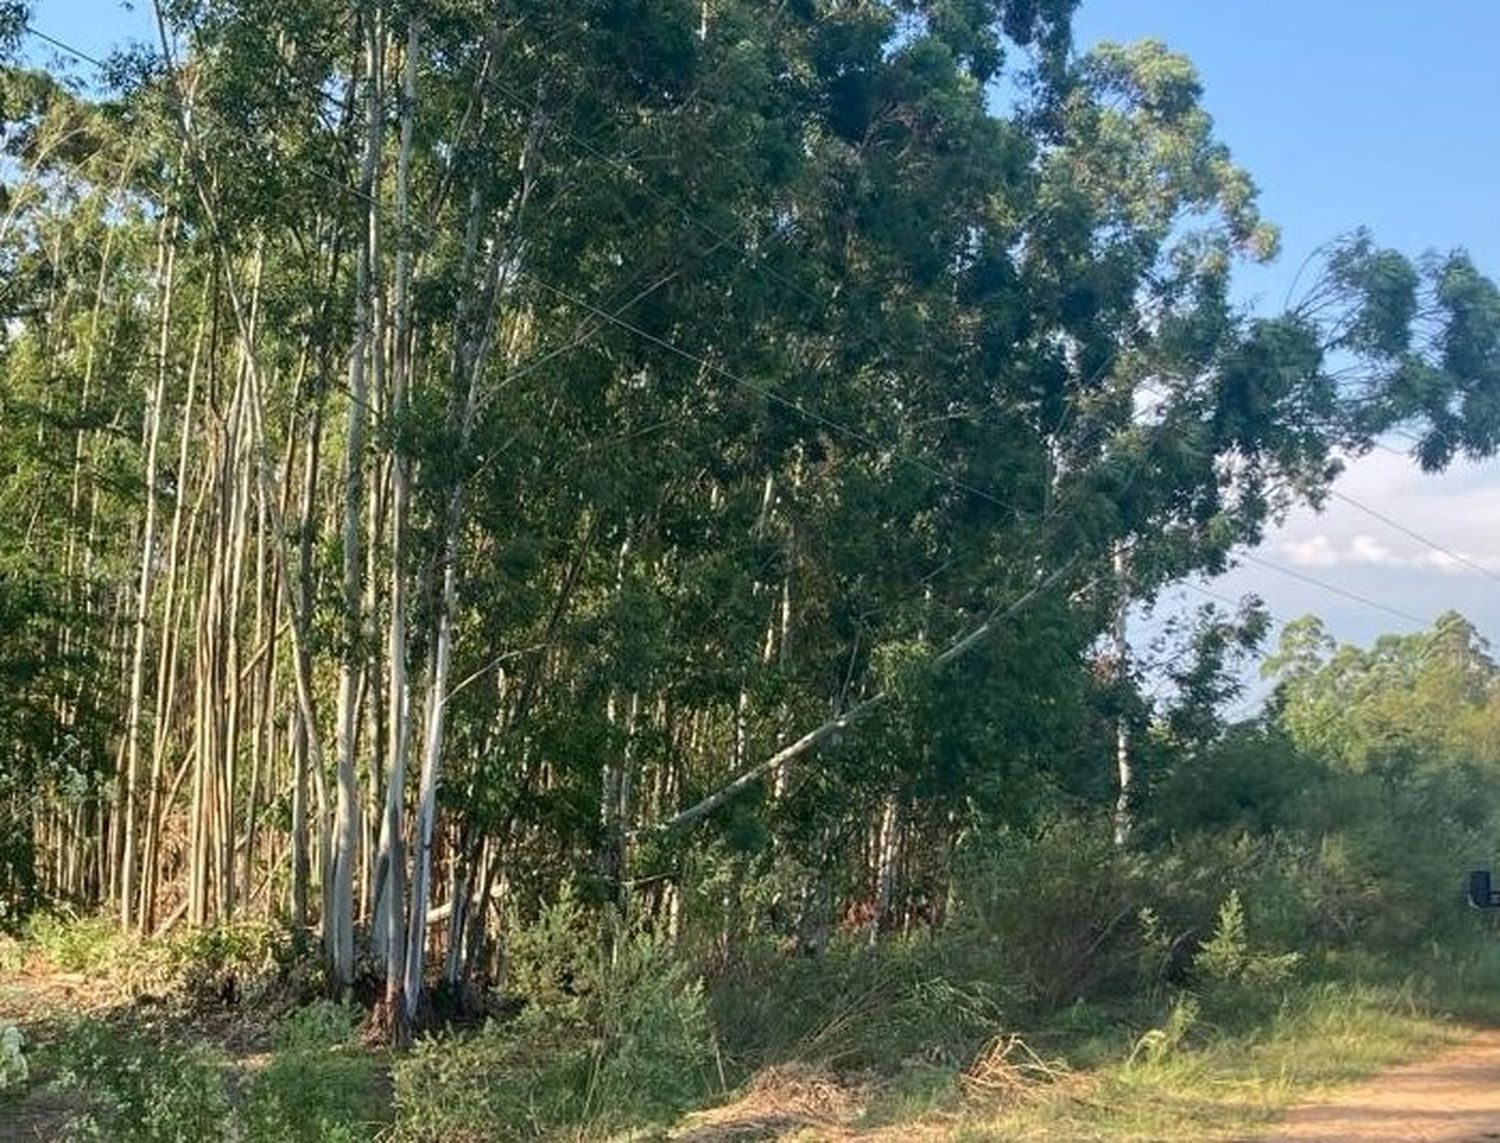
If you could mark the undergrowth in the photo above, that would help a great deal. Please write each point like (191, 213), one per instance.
(614, 1036)
(1190, 1080)
(128, 1084)
(1075, 992)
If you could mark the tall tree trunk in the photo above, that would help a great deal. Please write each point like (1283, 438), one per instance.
(390, 897)
(339, 915)
(166, 262)
(887, 860)
(471, 361)
(1120, 638)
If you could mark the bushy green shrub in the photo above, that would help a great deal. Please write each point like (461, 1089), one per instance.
(614, 1035)
(140, 1091)
(1060, 908)
(503, 1082)
(73, 943)
(223, 961)
(932, 999)
(1239, 979)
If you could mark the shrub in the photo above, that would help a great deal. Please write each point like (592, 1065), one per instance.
(499, 1083)
(138, 1091)
(220, 963)
(73, 943)
(932, 999)
(603, 1043)
(1059, 908)
(1226, 958)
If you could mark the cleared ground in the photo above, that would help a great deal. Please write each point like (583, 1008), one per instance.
(1452, 1098)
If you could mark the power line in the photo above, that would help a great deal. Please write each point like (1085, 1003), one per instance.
(1335, 589)
(1210, 593)
(60, 45)
(614, 318)
(644, 183)
(1457, 557)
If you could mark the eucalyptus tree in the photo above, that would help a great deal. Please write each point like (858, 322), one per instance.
(681, 450)
(1430, 695)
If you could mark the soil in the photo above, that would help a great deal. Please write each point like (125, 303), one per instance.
(1452, 1098)
(37, 995)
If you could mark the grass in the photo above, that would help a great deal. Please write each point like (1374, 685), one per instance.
(135, 1040)
(1217, 1069)
(885, 1046)
(1220, 1084)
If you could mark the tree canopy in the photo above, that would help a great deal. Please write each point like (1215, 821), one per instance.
(691, 452)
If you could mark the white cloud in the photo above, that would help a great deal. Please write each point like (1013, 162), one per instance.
(1458, 511)
(1314, 552)
(1368, 550)
(1363, 550)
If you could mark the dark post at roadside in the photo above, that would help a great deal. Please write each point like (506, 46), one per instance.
(1481, 896)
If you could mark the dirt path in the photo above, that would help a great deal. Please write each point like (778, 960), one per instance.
(1451, 1098)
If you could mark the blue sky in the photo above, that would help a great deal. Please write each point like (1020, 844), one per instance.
(1347, 112)
(93, 26)
(1381, 113)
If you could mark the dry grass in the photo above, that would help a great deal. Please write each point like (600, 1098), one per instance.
(788, 1101)
(1008, 1073)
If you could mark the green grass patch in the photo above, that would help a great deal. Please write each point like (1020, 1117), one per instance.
(320, 1085)
(89, 944)
(1207, 1082)
(123, 1083)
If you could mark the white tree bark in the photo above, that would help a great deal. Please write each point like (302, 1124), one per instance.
(338, 932)
(156, 398)
(1120, 638)
(390, 898)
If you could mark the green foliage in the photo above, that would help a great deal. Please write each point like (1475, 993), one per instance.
(320, 1085)
(1157, 1044)
(929, 1001)
(607, 1040)
(973, 342)
(1059, 908)
(1227, 958)
(75, 943)
(1407, 703)
(1248, 779)
(253, 961)
(238, 958)
(497, 1083)
(1231, 1078)
(316, 1026)
(141, 1091)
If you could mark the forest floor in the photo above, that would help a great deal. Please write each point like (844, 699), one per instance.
(1450, 1097)
(1449, 1094)
(40, 999)
(33, 997)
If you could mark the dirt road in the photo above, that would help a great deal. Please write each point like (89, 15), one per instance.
(1451, 1098)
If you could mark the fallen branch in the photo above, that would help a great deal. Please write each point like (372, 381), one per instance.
(848, 717)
